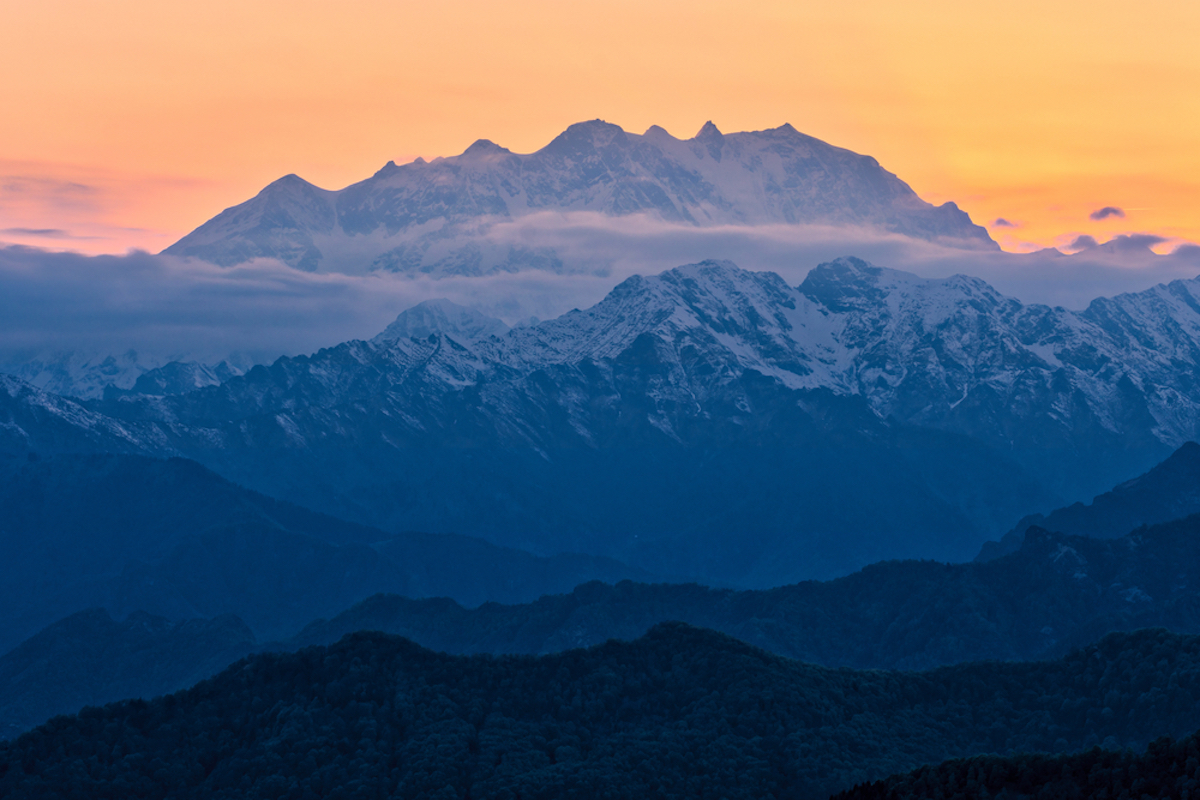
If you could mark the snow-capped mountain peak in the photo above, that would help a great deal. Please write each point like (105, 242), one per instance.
(436, 217)
(441, 316)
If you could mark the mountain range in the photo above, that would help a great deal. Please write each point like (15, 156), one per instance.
(1054, 593)
(434, 217)
(808, 468)
(89, 375)
(751, 432)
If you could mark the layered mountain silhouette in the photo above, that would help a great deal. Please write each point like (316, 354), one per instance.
(681, 712)
(1055, 593)
(89, 659)
(706, 423)
(172, 539)
(433, 217)
(1169, 491)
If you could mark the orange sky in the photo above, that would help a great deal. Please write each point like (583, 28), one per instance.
(126, 124)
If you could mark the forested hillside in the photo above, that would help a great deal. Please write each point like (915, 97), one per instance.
(680, 712)
(1166, 769)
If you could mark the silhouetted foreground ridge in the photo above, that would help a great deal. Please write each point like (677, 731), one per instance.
(1166, 769)
(680, 712)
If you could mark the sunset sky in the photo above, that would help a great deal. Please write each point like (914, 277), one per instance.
(127, 124)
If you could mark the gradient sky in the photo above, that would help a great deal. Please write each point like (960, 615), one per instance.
(126, 124)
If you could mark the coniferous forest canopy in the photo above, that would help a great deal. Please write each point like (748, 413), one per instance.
(719, 532)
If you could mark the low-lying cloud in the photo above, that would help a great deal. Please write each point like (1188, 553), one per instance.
(184, 308)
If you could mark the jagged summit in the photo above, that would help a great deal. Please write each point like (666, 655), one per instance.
(441, 316)
(583, 137)
(711, 139)
(436, 217)
(486, 147)
(290, 183)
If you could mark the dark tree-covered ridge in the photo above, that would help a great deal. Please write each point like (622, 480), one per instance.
(680, 712)
(1167, 769)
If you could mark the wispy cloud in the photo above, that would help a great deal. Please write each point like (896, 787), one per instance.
(43, 233)
(52, 193)
(90, 207)
(1001, 222)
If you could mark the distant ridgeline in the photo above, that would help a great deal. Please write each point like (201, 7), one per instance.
(1056, 593)
(1169, 491)
(681, 712)
(172, 539)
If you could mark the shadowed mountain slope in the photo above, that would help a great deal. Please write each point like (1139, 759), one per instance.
(173, 539)
(1055, 593)
(1169, 491)
(88, 659)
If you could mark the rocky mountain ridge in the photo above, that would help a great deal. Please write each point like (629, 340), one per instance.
(864, 414)
(433, 217)
(89, 375)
